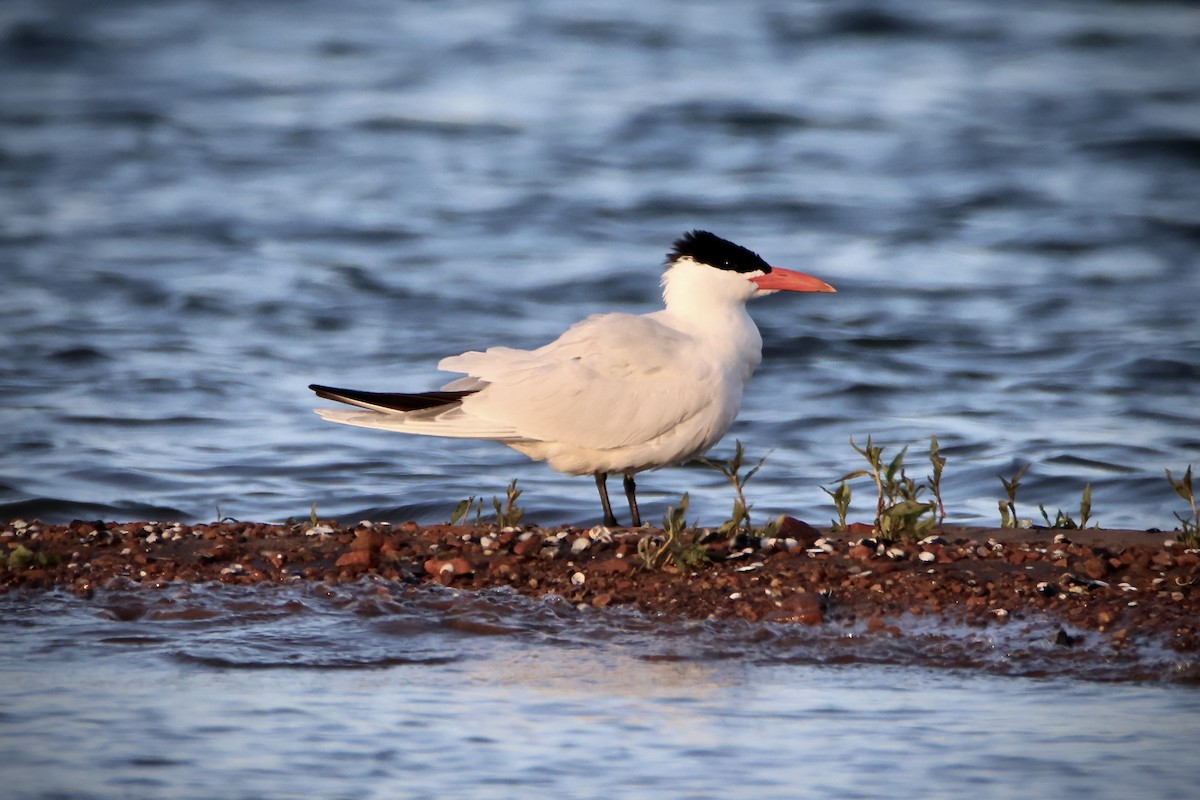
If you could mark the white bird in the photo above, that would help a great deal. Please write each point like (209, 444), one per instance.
(615, 393)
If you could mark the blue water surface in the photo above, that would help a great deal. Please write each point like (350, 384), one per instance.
(207, 205)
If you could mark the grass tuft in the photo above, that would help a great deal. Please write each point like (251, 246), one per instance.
(1008, 508)
(841, 504)
(508, 513)
(681, 542)
(1189, 533)
(739, 520)
(900, 513)
(1064, 520)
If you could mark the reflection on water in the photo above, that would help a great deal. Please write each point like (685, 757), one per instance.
(379, 691)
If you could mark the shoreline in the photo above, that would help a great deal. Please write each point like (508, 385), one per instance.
(1125, 589)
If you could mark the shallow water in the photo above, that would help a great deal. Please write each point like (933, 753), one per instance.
(373, 691)
(206, 206)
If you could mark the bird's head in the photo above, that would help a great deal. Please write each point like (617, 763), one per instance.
(728, 269)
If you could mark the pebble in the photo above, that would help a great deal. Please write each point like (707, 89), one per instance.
(861, 552)
(355, 558)
(612, 566)
(599, 533)
(452, 566)
(578, 579)
(528, 546)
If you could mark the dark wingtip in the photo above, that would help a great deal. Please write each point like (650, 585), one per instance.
(392, 401)
(326, 392)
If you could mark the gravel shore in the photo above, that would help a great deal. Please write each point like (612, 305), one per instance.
(1130, 587)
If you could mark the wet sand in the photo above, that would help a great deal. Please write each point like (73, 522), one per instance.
(1132, 588)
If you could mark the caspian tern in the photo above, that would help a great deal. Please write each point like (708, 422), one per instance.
(616, 393)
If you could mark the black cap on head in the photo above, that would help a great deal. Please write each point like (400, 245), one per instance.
(708, 248)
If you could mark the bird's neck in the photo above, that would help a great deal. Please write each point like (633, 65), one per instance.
(713, 313)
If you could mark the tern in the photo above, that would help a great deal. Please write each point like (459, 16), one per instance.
(616, 393)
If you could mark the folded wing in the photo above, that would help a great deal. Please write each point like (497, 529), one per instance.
(610, 381)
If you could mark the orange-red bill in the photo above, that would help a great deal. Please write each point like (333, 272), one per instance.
(786, 280)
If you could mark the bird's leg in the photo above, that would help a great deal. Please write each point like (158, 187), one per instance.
(631, 496)
(602, 485)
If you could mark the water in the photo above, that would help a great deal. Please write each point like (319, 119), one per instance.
(371, 691)
(205, 206)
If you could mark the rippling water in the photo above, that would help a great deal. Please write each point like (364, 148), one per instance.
(372, 692)
(204, 206)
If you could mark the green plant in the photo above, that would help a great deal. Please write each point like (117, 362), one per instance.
(731, 469)
(938, 462)
(1063, 520)
(19, 556)
(899, 510)
(1008, 508)
(1189, 533)
(680, 543)
(509, 514)
(874, 457)
(463, 508)
(841, 503)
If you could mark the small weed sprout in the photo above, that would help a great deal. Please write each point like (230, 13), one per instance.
(731, 469)
(674, 524)
(938, 461)
(874, 457)
(1189, 534)
(1008, 508)
(900, 512)
(290, 522)
(681, 543)
(509, 514)
(1063, 520)
(462, 509)
(841, 503)
(1060, 520)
